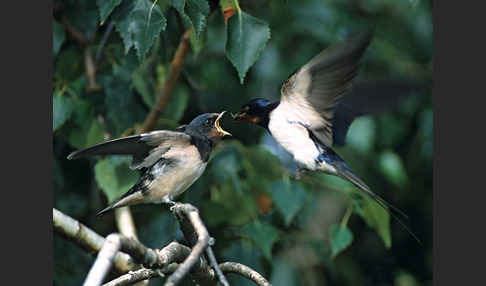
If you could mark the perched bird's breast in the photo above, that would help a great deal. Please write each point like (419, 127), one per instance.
(182, 167)
(290, 132)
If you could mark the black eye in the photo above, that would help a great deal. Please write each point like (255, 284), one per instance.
(208, 121)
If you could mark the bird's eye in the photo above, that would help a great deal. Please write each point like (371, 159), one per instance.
(208, 121)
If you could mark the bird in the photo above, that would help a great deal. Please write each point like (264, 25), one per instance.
(169, 161)
(315, 111)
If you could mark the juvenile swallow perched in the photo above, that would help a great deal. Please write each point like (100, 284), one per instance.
(313, 113)
(170, 161)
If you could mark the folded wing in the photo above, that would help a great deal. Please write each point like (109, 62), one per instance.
(146, 149)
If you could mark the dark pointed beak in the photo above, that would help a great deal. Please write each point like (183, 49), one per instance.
(239, 115)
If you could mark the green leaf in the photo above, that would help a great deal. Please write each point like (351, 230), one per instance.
(83, 16)
(105, 7)
(374, 215)
(245, 253)
(289, 198)
(62, 107)
(114, 176)
(246, 38)
(123, 109)
(139, 23)
(86, 129)
(284, 273)
(158, 230)
(69, 65)
(225, 166)
(193, 13)
(142, 78)
(142, 86)
(225, 4)
(88, 134)
(404, 278)
(392, 167)
(197, 42)
(177, 104)
(263, 235)
(361, 134)
(197, 11)
(58, 37)
(392, 131)
(340, 238)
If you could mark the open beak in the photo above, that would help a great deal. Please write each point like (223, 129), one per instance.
(218, 127)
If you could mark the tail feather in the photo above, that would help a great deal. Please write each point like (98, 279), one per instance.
(348, 175)
(107, 209)
(118, 202)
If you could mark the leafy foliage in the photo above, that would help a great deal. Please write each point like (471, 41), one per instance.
(341, 238)
(63, 108)
(139, 23)
(246, 38)
(289, 230)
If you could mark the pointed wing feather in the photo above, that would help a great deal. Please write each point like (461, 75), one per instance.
(316, 88)
(145, 148)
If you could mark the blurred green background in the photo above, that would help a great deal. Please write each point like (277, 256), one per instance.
(315, 231)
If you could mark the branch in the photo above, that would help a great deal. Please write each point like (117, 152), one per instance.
(89, 64)
(74, 33)
(214, 264)
(183, 213)
(103, 261)
(87, 239)
(160, 262)
(228, 267)
(173, 258)
(90, 70)
(243, 270)
(170, 83)
(172, 255)
(124, 222)
(106, 35)
(134, 277)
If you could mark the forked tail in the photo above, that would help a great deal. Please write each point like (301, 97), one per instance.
(348, 175)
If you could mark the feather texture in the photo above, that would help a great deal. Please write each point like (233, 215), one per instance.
(316, 88)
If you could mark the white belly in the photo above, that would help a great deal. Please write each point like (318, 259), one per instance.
(174, 181)
(293, 137)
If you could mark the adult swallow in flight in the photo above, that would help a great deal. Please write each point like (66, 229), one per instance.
(313, 113)
(170, 161)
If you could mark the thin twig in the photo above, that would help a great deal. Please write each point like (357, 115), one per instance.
(90, 70)
(215, 266)
(89, 64)
(169, 85)
(233, 267)
(106, 35)
(74, 33)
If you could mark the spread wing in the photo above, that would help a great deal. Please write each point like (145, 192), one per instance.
(146, 149)
(315, 89)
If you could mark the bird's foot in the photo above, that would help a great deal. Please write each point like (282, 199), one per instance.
(171, 204)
